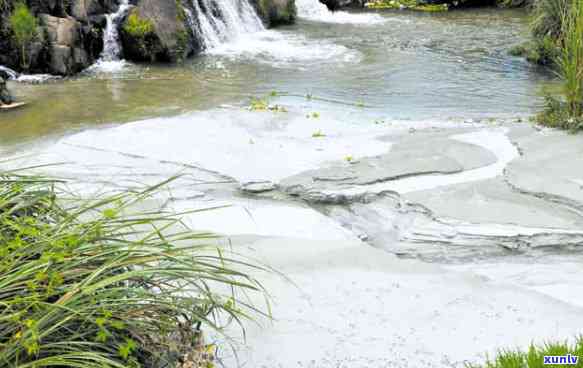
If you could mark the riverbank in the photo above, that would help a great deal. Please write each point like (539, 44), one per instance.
(382, 274)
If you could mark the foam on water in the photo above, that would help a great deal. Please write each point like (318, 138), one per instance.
(315, 10)
(108, 66)
(284, 49)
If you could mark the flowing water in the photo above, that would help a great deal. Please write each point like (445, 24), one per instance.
(354, 86)
(111, 44)
(403, 65)
(216, 22)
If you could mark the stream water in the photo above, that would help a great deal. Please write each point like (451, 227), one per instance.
(402, 65)
(400, 107)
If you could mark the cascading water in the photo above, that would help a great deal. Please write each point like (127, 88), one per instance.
(111, 45)
(218, 21)
(315, 10)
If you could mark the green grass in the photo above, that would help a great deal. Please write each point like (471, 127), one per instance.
(534, 357)
(567, 112)
(105, 283)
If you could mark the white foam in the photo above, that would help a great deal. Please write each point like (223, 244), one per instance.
(108, 66)
(316, 11)
(36, 78)
(281, 49)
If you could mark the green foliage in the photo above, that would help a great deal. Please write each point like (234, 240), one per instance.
(138, 27)
(568, 113)
(547, 18)
(534, 357)
(262, 104)
(97, 283)
(570, 61)
(24, 27)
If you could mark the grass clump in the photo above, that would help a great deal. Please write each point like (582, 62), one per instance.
(568, 112)
(97, 283)
(534, 357)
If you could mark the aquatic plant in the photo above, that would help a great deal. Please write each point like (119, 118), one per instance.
(318, 134)
(534, 357)
(105, 283)
(262, 104)
(24, 29)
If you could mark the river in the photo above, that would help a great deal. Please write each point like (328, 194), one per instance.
(386, 167)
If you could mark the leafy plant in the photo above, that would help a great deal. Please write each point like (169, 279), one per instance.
(100, 283)
(24, 27)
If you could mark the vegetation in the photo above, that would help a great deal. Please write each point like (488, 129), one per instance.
(99, 283)
(24, 27)
(568, 112)
(138, 27)
(534, 357)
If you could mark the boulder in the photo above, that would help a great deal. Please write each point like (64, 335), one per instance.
(84, 10)
(5, 96)
(66, 47)
(276, 12)
(155, 31)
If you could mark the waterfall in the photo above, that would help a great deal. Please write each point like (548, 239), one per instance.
(218, 21)
(111, 45)
(316, 11)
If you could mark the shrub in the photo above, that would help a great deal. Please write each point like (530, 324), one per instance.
(97, 283)
(23, 25)
(138, 27)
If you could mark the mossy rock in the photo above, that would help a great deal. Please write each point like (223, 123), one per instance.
(156, 31)
(276, 12)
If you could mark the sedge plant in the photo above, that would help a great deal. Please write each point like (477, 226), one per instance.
(99, 283)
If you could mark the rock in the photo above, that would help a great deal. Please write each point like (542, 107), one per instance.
(85, 9)
(5, 96)
(155, 31)
(257, 186)
(66, 49)
(276, 12)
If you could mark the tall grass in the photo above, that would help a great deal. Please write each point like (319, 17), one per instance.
(567, 112)
(570, 62)
(534, 357)
(99, 283)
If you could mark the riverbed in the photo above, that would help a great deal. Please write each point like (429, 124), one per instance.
(383, 161)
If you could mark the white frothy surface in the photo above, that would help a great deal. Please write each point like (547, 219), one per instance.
(316, 11)
(285, 48)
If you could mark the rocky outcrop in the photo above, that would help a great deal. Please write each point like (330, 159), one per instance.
(276, 12)
(70, 32)
(64, 40)
(156, 31)
(68, 38)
